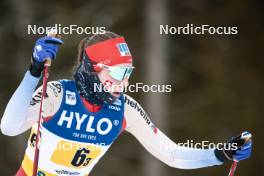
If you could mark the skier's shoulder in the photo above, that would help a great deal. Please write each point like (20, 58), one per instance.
(55, 87)
(136, 117)
(59, 85)
(53, 99)
(54, 93)
(128, 99)
(130, 102)
(133, 109)
(68, 84)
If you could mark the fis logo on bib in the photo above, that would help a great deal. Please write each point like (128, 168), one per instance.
(123, 49)
(70, 98)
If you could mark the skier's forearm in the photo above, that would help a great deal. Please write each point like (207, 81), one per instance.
(189, 158)
(164, 149)
(17, 107)
(183, 157)
(159, 145)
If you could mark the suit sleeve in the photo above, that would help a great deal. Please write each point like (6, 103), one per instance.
(22, 110)
(159, 145)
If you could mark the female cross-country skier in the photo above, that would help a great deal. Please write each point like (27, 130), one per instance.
(80, 122)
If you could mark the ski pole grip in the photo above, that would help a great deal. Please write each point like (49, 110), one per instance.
(48, 62)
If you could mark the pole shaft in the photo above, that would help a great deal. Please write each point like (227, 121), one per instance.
(233, 169)
(38, 138)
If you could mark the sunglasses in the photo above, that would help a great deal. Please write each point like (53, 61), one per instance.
(117, 72)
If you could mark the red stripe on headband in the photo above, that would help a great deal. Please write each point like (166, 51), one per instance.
(110, 52)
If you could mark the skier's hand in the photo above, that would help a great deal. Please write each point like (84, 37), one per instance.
(45, 47)
(241, 150)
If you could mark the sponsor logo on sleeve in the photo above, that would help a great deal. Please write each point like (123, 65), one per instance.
(36, 99)
(55, 87)
(142, 113)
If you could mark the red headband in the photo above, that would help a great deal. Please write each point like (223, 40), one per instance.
(110, 52)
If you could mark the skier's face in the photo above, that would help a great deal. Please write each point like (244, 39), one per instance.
(114, 86)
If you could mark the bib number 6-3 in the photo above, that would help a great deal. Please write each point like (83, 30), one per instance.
(80, 158)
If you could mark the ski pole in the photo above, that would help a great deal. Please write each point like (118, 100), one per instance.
(47, 64)
(233, 168)
(246, 137)
(40, 119)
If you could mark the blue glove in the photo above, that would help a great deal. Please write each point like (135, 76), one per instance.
(242, 151)
(45, 47)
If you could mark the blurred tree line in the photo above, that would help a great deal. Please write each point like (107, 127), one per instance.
(217, 80)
